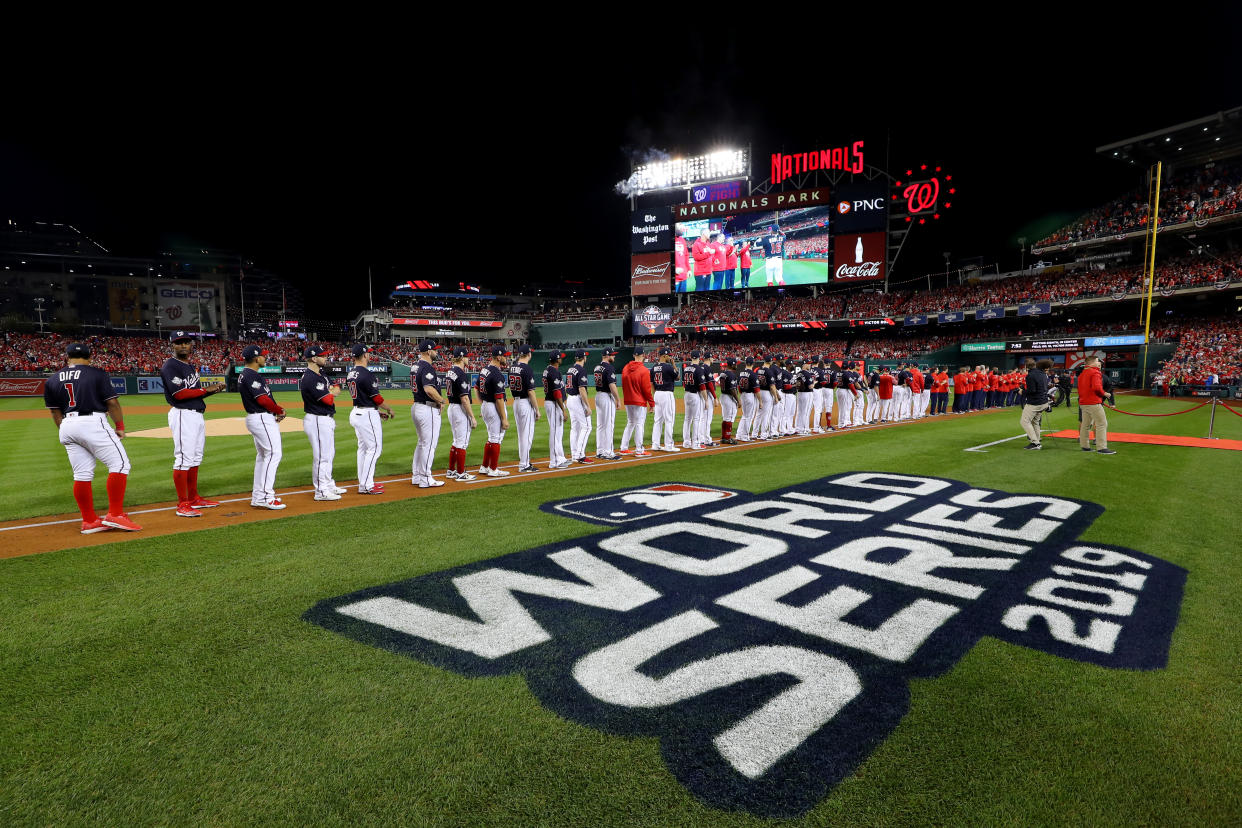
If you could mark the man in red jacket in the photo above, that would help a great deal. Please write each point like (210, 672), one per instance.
(702, 253)
(886, 395)
(637, 397)
(1090, 404)
(961, 391)
(719, 257)
(744, 261)
(681, 260)
(730, 262)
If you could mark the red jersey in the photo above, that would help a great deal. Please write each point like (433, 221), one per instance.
(681, 259)
(718, 257)
(1091, 387)
(636, 384)
(916, 380)
(702, 253)
(960, 384)
(941, 383)
(744, 255)
(994, 382)
(730, 257)
(886, 386)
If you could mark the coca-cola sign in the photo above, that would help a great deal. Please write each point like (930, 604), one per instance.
(651, 274)
(859, 257)
(10, 387)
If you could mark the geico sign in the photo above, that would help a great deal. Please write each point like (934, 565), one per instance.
(180, 293)
(768, 641)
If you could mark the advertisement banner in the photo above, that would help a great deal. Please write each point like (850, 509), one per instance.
(188, 305)
(716, 192)
(651, 230)
(450, 323)
(150, 385)
(208, 379)
(652, 320)
(819, 197)
(916, 319)
(990, 312)
(953, 316)
(859, 208)
(118, 384)
(124, 306)
(859, 257)
(1113, 341)
(967, 347)
(10, 387)
(1027, 346)
(1034, 308)
(651, 274)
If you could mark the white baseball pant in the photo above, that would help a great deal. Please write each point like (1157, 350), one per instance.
(845, 405)
(924, 401)
(663, 433)
(746, 424)
(635, 421)
(268, 451)
(88, 438)
(706, 412)
(886, 408)
(690, 436)
(491, 421)
(427, 425)
(368, 428)
(817, 407)
(321, 431)
(805, 401)
(728, 410)
(790, 409)
(605, 419)
(459, 424)
(901, 397)
(775, 270)
(556, 433)
(873, 404)
(524, 418)
(763, 423)
(189, 434)
(856, 416)
(579, 426)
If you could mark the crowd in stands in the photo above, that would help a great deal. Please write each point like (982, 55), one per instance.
(1206, 349)
(1192, 195)
(569, 310)
(443, 308)
(819, 244)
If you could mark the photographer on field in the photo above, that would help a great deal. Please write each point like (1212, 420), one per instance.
(1036, 401)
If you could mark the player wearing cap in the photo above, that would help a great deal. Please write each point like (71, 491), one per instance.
(769, 397)
(901, 393)
(458, 389)
(365, 417)
(804, 382)
(719, 258)
(525, 413)
(773, 246)
(873, 395)
(919, 394)
(663, 380)
(426, 414)
(730, 266)
(744, 261)
(694, 400)
(708, 411)
(858, 414)
(554, 407)
(884, 389)
(579, 405)
(184, 393)
(606, 403)
(846, 392)
(730, 401)
(827, 392)
(263, 416)
(637, 396)
(319, 422)
(747, 399)
(817, 396)
(789, 397)
(80, 398)
(491, 384)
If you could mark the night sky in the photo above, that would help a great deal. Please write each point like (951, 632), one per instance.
(320, 160)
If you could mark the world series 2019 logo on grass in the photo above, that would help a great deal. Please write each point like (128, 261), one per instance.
(768, 641)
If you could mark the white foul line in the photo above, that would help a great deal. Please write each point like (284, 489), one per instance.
(980, 448)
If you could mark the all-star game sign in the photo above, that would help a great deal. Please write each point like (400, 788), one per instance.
(652, 320)
(768, 641)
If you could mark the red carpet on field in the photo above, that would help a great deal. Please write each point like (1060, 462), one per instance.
(1160, 440)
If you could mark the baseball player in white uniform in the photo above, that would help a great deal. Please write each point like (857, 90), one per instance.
(458, 390)
(579, 405)
(366, 418)
(493, 385)
(663, 380)
(845, 397)
(263, 417)
(525, 409)
(555, 411)
(81, 398)
(693, 381)
(319, 422)
(707, 411)
(746, 388)
(607, 401)
(857, 415)
(426, 415)
(185, 394)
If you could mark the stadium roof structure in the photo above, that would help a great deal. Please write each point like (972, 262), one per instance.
(1210, 138)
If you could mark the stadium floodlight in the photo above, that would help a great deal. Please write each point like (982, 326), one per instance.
(680, 173)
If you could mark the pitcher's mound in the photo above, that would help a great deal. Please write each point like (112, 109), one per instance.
(221, 427)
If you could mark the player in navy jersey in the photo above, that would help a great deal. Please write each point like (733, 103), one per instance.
(804, 382)
(458, 388)
(606, 403)
(747, 391)
(263, 416)
(773, 246)
(579, 404)
(492, 384)
(185, 393)
(525, 412)
(426, 414)
(730, 401)
(554, 407)
(366, 418)
(695, 399)
(80, 398)
(663, 383)
(319, 422)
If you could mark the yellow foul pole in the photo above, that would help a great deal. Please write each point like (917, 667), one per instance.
(1151, 274)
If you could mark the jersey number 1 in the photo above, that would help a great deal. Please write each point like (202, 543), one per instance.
(69, 390)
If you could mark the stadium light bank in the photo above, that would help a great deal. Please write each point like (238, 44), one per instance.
(681, 173)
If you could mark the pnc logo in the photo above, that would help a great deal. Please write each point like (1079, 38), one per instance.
(768, 641)
(843, 207)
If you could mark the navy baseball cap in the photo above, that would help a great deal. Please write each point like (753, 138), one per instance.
(360, 349)
(181, 336)
(252, 351)
(610, 352)
(731, 361)
(460, 352)
(315, 350)
(819, 358)
(523, 350)
(556, 356)
(78, 351)
(638, 350)
(581, 353)
(427, 345)
(666, 352)
(499, 351)
(695, 354)
(750, 360)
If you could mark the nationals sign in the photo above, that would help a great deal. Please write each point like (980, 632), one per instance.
(859, 257)
(769, 641)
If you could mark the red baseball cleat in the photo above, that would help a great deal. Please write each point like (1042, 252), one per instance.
(187, 510)
(374, 490)
(624, 451)
(90, 527)
(120, 522)
(203, 503)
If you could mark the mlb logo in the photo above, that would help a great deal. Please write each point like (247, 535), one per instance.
(631, 505)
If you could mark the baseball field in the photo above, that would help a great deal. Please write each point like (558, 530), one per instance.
(862, 628)
(795, 272)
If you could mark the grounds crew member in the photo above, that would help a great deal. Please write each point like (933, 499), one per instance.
(525, 412)
(458, 389)
(319, 422)
(1036, 401)
(554, 408)
(1091, 396)
(664, 379)
(369, 409)
(637, 396)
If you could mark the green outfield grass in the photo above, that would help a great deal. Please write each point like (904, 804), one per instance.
(172, 680)
(795, 272)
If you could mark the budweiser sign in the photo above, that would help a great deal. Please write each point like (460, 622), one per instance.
(651, 274)
(859, 257)
(10, 387)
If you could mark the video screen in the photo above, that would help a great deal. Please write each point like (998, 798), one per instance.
(753, 250)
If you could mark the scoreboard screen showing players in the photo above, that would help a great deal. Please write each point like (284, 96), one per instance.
(754, 250)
